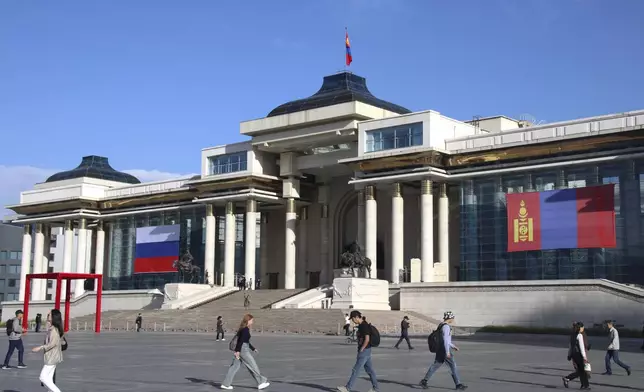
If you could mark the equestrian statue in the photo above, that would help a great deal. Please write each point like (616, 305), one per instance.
(353, 260)
(187, 270)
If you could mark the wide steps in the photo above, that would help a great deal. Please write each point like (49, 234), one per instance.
(259, 299)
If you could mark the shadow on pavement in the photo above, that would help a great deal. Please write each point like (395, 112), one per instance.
(201, 381)
(520, 382)
(592, 382)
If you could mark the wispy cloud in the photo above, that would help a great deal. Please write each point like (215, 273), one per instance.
(16, 179)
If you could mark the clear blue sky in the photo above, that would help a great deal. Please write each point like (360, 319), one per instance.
(149, 83)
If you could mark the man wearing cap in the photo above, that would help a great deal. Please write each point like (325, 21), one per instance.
(364, 354)
(15, 341)
(444, 354)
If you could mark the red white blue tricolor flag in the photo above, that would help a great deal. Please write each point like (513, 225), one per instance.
(157, 247)
(347, 45)
(562, 219)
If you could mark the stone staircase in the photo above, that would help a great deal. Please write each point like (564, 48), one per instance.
(259, 299)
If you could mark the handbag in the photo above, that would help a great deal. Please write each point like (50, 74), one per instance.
(587, 367)
(63, 345)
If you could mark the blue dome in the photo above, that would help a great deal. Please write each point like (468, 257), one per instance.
(95, 167)
(339, 88)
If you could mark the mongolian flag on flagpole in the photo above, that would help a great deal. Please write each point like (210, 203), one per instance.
(347, 45)
(562, 219)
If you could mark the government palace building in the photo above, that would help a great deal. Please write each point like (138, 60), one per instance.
(425, 197)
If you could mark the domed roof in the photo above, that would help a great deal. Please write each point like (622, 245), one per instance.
(339, 88)
(95, 167)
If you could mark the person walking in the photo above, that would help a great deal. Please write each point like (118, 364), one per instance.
(220, 328)
(53, 351)
(364, 354)
(575, 374)
(139, 322)
(243, 355)
(613, 350)
(404, 333)
(15, 332)
(444, 354)
(38, 322)
(578, 355)
(347, 324)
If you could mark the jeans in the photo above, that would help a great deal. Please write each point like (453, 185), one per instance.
(220, 333)
(452, 369)
(405, 337)
(614, 355)
(15, 344)
(247, 359)
(363, 360)
(47, 377)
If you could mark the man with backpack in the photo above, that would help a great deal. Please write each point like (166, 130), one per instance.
(440, 342)
(14, 332)
(404, 333)
(368, 337)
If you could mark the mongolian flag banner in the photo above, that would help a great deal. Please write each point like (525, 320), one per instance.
(562, 219)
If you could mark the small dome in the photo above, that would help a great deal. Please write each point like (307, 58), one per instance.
(339, 88)
(95, 167)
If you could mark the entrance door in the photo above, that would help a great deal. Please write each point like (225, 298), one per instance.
(273, 280)
(314, 279)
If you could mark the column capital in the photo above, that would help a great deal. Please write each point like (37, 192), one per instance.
(370, 192)
(100, 225)
(251, 205)
(230, 208)
(27, 229)
(290, 206)
(82, 223)
(69, 225)
(304, 213)
(443, 189)
(39, 228)
(210, 210)
(426, 187)
(396, 189)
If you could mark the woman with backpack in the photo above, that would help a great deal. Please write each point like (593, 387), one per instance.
(53, 349)
(242, 348)
(577, 354)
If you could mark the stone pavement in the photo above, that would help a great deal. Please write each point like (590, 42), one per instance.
(168, 362)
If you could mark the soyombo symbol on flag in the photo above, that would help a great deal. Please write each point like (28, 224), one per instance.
(157, 247)
(562, 219)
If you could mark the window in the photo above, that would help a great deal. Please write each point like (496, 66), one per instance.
(1, 284)
(50, 284)
(12, 282)
(407, 135)
(229, 163)
(13, 256)
(3, 270)
(12, 297)
(3, 255)
(13, 269)
(48, 297)
(1, 297)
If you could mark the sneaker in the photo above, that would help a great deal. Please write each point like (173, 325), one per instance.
(411, 348)
(223, 340)
(628, 371)
(565, 381)
(424, 384)
(222, 386)
(22, 366)
(343, 389)
(461, 387)
(6, 367)
(217, 340)
(263, 385)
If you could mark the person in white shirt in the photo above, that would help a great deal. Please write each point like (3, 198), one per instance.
(347, 325)
(577, 354)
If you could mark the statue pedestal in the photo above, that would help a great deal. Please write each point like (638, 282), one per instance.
(360, 294)
(346, 273)
(176, 291)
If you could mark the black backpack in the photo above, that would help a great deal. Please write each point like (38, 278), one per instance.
(375, 336)
(9, 327)
(435, 338)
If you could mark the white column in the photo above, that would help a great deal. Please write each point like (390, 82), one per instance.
(302, 259)
(99, 258)
(442, 275)
(81, 256)
(68, 250)
(290, 251)
(361, 217)
(326, 276)
(26, 260)
(371, 229)
(229, 246)
(397, 233)
(46, 230)
(263, 249)
(209, 252)
(427, 232)
(250, 244)
(39, 244)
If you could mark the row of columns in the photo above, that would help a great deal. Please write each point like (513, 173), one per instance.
(41, 233)
(432, 269)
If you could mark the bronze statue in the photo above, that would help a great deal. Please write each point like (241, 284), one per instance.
(353, 259)
(186, 269)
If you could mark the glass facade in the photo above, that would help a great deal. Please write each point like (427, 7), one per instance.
(192, 238)
(407, 135)
(484, 238)
(229, 163)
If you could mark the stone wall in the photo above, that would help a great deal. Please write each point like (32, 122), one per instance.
(555, 303)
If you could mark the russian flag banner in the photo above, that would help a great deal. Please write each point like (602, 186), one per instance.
(157, 248)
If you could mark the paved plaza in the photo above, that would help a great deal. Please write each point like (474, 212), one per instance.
(160, 362)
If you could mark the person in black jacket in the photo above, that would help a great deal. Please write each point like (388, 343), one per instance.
(243, 349)
(578, 355)
(404, 333)
(220, 328)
